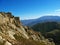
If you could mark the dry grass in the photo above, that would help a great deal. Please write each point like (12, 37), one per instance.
(27, 41)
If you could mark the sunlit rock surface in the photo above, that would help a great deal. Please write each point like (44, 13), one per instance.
(12, 32)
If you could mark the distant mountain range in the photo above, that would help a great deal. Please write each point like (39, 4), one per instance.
(49, 26)
(31, 22)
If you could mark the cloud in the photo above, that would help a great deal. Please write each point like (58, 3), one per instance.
(58, 10)
(34, 16)
(54, 13)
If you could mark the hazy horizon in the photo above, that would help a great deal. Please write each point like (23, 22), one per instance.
(31, 9)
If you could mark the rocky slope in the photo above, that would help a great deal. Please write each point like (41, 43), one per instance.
(12, 32)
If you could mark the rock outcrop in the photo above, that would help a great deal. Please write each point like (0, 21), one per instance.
(12, 32)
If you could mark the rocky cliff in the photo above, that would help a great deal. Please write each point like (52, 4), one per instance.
(12, 32)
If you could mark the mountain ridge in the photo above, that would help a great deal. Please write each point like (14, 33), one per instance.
(12, 32)
(41, 19)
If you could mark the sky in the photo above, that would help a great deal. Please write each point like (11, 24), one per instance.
(31, 9)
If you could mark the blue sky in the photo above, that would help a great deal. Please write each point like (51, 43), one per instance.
(30, 9)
